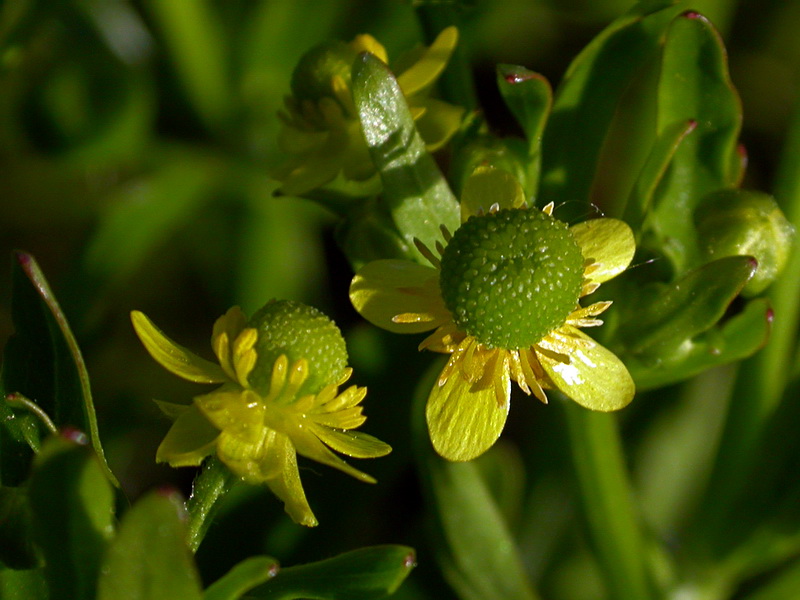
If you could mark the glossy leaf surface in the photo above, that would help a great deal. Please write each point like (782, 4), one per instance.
(414, 189)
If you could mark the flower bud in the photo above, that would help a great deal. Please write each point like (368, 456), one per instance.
(300, 332)
(489, 151)
(313, 76)
(742, 222)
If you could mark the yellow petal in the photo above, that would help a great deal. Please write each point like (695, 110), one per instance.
(307, 171)
(488, 186)
(309, 445)
(235, 411)
(433, 61)
(352, 443)
(367, 43)
(594, 377)
(608, 242)
(190, 439)
(384, 289)
(286, 485)
(173, 357)
(465, 420)
(438, 122)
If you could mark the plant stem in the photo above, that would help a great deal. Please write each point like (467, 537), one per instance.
(608, 503)
(210, 486)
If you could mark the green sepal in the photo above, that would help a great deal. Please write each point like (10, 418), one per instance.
(72, 505)
(660, 322)
(242, 578)
(149, 559)
(415, 191)
(459, 494)
(363, 574)
(694, 85)
(17, 549)
(587, 99)
(43, 362)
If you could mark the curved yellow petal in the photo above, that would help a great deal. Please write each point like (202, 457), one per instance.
(608, 242)
(309, 445)
(172, 409)
(352, 443)
(424, 72)
(593, 377)
(366, 43)
(438, 122)
(464, 419)
(235, 411)
(190, 439)
(307, 171)
(286, 484)
(488, 186)
(173, 357)
(385, 289)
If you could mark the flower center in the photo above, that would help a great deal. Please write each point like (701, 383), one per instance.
(511, 277)
(298, 331)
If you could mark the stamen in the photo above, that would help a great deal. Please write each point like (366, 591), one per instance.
(548, 209)
(426, 252)
(589, 287)
(445, 233)
(413, 318)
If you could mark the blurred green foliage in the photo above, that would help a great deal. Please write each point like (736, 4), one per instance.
(136, 140)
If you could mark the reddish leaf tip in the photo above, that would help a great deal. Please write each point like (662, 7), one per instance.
(75, 435)
(273, 570)
(410, 560)
(691, 125)
(692, 14)
(770, 315)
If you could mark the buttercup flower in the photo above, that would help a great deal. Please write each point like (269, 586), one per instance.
(502, 297)
(321, 131)
(280, 375)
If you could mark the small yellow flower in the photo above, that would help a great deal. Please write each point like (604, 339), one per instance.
(502, 297)
(280, 374)
(321, 131)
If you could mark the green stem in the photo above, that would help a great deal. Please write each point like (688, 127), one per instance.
(607, 502)
(210, 486)
(456, 83)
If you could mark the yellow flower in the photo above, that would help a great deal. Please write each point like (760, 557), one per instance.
(321, 131)
(502, 297)
(273, 403)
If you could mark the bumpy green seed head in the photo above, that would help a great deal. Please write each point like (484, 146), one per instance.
(511, 277)
(298, 331)
(311, 79)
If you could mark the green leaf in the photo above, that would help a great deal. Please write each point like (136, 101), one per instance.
(19, 431)
(587, 99)
(469, 521)
(242, 578)
(43, 361)
(17, 549)
(363, 574)
(23, 585)
(414, 189)
(655, 166)
(694, 85)
(737, 338)
(150, 559)
(72, 504)
(660, 321)
(529, 97)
